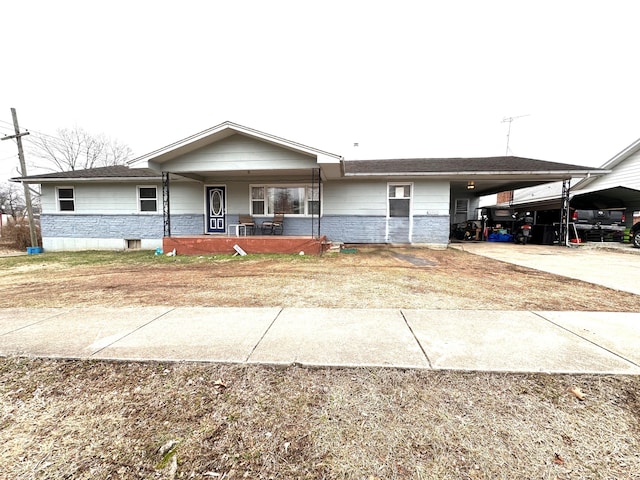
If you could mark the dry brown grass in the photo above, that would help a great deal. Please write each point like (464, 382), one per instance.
(372, 278)
(16, 236)
(87, 420)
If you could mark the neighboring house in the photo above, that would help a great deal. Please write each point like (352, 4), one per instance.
(618, 187)
(201, 185)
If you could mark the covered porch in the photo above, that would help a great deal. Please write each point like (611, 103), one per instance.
(213, 181)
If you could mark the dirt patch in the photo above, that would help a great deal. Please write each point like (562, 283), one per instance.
(372, 278)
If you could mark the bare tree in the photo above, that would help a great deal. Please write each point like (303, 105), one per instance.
(12, 200)
(76, 149)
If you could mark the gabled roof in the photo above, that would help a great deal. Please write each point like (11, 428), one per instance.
(222, 131)
(115, 172)
(460, 166)
(612, 163)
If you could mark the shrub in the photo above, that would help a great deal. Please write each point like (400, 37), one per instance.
(16, 234)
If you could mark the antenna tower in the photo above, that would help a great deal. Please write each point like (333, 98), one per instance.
(510, 120)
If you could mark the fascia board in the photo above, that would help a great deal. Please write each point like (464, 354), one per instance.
(619, 157)
(85, 180)
(550, 173)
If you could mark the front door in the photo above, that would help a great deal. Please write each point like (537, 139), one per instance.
(216, 209)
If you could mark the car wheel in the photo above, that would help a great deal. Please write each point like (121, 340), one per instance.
(636, 239)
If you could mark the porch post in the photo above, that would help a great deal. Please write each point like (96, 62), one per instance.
(166, 213)
(565, 213)
(313, 185)
(319, 202)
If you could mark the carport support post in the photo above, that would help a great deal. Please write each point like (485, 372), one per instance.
(565, 213)
(166, 213)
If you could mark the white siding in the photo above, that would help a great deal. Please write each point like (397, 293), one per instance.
(48, 198)
(339, 197)
(185, 197)
(431, 198)
(625, 174)
(370, 197)
(355, 198)
(190, 197)
(238, 198)
(239, 153)
(104, 198)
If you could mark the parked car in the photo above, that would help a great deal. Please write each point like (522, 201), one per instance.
(635, 235)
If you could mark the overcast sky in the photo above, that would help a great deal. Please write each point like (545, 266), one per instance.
(402, 78)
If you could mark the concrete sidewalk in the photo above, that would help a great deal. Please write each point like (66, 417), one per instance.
(558, 342)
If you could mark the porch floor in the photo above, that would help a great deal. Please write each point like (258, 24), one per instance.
(223, 244)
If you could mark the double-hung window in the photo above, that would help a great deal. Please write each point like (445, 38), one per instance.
(148, 199)
(399, 199)
(301, 200)
(66, 199)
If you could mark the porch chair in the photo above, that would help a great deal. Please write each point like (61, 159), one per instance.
(248, 222)
(275, 226)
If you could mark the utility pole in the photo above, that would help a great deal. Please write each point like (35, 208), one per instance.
(510, 120)
(23, 171)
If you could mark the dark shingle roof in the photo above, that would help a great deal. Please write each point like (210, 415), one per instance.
(115, 171)
(452, 165)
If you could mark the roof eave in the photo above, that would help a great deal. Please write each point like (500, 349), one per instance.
(538, 173)
(42, 180)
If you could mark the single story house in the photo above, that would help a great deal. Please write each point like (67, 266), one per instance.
(195, 190)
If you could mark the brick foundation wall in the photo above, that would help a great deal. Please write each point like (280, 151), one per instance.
(337, 228)
(204, 245)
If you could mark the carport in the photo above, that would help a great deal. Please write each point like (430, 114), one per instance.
(494, 175)
(614, 197)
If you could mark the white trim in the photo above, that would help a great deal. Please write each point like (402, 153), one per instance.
(304, 185)
(206, 212)
(73, 199)
(455, 208)
(43, 180)
(139, 200)
(410, 217)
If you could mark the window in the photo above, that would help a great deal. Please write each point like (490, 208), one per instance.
(313, 200)
(287, 199)
(399, 200)
(461, 211)
(148, 199)
(66, 199)
(257, 201)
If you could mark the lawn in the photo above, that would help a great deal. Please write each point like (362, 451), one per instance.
(126, 420)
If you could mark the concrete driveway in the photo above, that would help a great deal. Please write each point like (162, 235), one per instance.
(614, 266)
